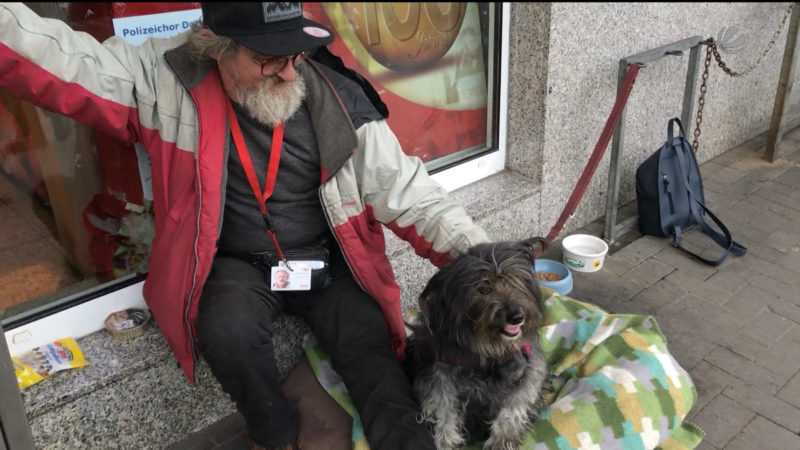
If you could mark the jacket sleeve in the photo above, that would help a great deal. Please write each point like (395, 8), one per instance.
(49, 64)
(402, 196)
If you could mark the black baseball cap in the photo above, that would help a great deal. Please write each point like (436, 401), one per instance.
(268, 28)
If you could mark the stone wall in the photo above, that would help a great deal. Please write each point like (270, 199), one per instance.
(563, 65)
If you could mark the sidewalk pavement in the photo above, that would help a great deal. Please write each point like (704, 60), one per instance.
(735, 327)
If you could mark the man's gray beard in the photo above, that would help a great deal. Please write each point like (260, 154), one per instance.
(275, 100)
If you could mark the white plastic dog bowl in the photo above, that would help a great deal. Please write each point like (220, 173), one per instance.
(584, 252)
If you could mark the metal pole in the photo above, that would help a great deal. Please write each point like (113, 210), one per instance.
(15, 433)
(617, 142)
(785, 83)
(691, 86)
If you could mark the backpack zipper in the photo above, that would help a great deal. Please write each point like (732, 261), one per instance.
(668, 191)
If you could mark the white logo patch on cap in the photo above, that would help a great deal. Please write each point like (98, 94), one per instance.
(278, 11)
(316, 32)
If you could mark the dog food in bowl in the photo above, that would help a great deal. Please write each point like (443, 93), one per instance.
(584, 252)
(548, 276)
(554, 275)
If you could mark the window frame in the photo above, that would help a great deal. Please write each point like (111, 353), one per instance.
(489, 163)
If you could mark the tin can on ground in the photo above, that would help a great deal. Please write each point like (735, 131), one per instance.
(127, 323)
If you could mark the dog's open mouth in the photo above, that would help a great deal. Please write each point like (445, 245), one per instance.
(512, 331)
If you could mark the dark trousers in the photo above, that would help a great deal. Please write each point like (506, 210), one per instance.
(235, 329)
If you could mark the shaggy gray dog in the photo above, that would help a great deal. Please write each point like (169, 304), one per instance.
(475, 359)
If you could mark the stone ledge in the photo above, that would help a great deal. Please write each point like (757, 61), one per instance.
(109, 361)
(133, 394)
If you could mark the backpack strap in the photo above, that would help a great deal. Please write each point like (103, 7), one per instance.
(698, 210)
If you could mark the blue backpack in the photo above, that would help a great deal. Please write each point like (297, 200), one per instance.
(669, 197)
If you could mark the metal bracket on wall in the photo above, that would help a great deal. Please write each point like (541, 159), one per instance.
(612, 229)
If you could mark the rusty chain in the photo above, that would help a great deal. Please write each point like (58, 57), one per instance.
(702, 100)
(713, 50)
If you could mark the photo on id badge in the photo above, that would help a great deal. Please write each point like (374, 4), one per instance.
(291, 276)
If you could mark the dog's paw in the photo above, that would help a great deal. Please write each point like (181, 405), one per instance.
(450, 445)
(448, 440)
(501, 444)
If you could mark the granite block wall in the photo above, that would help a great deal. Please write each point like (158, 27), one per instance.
(563, 69)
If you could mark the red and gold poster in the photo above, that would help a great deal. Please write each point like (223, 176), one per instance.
(426, 60)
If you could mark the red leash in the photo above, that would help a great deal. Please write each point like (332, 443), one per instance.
(597, 153)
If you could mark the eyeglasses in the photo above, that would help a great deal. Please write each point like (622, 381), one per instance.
(273, 64)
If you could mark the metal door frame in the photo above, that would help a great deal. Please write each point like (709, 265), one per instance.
(15, 432)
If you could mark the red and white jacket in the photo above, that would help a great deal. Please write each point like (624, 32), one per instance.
(175, 107)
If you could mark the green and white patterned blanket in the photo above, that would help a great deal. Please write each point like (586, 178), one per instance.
(615, 385)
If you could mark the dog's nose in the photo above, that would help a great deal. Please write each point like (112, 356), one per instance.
(515, 317)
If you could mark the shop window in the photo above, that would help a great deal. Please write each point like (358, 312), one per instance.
(430, 62)
(74, 202)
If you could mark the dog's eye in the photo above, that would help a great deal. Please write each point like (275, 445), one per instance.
(485, 290)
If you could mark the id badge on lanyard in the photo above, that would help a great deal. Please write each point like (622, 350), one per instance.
(287, 275)
(291, 276)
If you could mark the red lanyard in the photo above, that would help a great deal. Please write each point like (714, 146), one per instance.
(272, 169)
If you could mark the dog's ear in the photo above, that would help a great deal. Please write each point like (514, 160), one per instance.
(533, 247)
(430, 303)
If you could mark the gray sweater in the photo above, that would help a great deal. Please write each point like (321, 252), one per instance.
(294, 205)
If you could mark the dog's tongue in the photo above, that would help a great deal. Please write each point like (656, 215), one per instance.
(511, 329)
